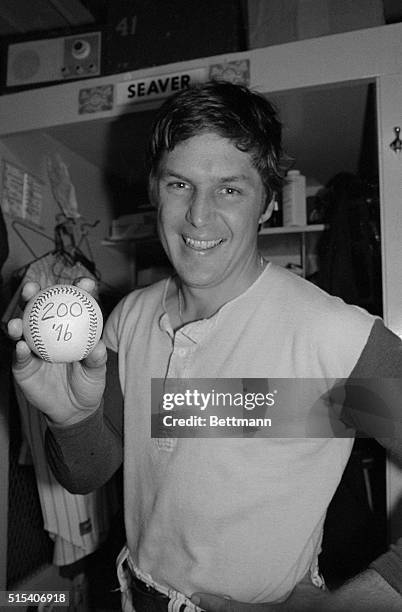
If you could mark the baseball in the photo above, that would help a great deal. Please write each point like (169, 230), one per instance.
(62, 323)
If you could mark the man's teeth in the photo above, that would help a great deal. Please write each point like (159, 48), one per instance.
(202, 244)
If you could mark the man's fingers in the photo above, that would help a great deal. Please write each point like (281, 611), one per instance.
(29, 290)
(87, 284)
(210, 603)
(213, 603)
(14, 329)
(23, 356)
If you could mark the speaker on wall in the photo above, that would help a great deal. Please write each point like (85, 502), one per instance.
(53, 59)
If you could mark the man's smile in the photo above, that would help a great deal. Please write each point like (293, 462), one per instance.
(202, 245)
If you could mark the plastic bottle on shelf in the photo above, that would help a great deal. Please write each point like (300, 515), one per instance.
(294, 199)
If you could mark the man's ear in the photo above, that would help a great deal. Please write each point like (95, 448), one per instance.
(268, 211)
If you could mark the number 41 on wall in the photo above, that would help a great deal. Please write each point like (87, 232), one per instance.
(127, 26)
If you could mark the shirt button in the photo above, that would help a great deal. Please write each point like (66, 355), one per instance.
(182, 352)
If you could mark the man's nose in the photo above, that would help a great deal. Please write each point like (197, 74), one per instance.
(201, 209)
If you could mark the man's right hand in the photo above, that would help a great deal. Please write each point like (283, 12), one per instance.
(65, 392)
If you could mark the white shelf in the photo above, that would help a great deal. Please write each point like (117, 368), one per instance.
(292, 229)
(125, 241)
(299, 231)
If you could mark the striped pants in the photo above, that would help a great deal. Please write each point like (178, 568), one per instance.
(156, 599)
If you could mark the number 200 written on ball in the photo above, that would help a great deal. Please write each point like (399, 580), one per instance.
(62, 323)
(53, 311)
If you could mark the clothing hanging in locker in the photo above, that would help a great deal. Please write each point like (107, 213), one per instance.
(78, 524)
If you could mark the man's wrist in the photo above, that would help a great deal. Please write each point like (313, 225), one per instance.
(307, 598)
(80, 418)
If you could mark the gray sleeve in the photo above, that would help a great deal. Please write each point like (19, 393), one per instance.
(381, 356)
(389, 565)
(85, 455)
(381, 363)
(373, 404)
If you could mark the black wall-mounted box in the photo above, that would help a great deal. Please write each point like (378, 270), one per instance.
(138, 34)
(144, 33)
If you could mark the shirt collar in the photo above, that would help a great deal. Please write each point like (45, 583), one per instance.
(197, 329)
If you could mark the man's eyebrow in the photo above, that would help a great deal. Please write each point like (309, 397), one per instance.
(167, 172)
(234, 178)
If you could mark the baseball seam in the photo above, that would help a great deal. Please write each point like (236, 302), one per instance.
(34, 319)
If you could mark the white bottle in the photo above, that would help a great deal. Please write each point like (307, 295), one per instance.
(294, 199)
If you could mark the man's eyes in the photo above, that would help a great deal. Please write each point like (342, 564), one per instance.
(182, 185)
(178, 185)
(230, 191)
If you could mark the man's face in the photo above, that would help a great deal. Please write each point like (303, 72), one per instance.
(210, 198)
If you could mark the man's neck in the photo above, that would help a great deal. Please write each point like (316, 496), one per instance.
(195, 303)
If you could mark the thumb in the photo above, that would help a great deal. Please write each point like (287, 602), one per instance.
(214, 603)
(96, 358)
(93, 367)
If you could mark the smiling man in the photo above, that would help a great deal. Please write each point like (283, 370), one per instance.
(210, 200)
(236, 517)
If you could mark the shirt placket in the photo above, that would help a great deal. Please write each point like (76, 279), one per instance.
(182, 358)
(180, 366)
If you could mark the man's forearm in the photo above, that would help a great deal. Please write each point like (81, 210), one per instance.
(367, 592)
(85, 455)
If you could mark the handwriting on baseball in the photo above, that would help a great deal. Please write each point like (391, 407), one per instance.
(50, 311)
(74, 309)
(60, 328)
